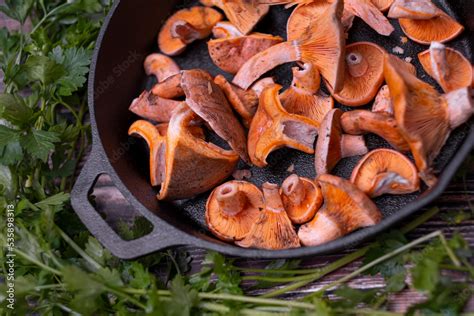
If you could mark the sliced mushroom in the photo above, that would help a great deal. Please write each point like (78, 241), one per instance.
(273, 229)
(447, 66)
(332, 145)
(460, 106)
(156, 141)
(370, 14)
(273, 128)
(170, 88)
(413, 9)
(160, 66)
(208, 101)
(153, 107)
(364, 74)
(232, 209)
(287, 3)
(301, 198)
(225, 29)
(300, 97)
(186, 26)
(262, 84)
(323, 47)
(383, 5)
(385, 171)
(383, 101)
(244, 14)
(192, 165)
(229, 54)
(244, 102)
(345, 209)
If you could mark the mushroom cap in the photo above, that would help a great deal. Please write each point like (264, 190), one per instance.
(248, 200)
(243, 14)
(273, 229)
(345, 209)
(385, 171)
(229, 54)
(201, 19)
(156, 141)
(363, 75)
(225, 29)
(414, 9)
(422, 115)
(208, 101)
(442, 28)
(169, 88)
(382, 5)
(328, 147)
(301, 198)
(153, 107)
(303, 17)
(273, 127)
(160, 66)
(459, 70)
(370, 14)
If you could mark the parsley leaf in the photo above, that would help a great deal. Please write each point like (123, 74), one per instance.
(39, 143)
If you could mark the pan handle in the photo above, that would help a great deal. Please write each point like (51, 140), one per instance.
(160, 238)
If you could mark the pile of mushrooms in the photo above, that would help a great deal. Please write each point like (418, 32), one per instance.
(255, 116)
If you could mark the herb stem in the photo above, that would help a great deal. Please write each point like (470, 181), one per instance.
(48, 15)
(449, 251)
(36, 262)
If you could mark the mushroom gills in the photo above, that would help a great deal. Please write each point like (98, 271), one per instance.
(301, 198)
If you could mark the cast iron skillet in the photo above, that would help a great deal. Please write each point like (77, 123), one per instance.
(117, 77)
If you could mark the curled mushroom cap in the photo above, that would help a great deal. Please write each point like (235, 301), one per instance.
(153, 107)
(208, 101)
(232, 209)
(161, 66)
(170, 88)
(225, 29)
(447, 66)
(157, 146)
(303, 18)
(370, 14)
(273, 229)
(385, 171)
(345, 209)
(229, 54)
(364, 74)
(273, 128)
(186, 26)
(332, 145)
(323, 46)
(192, 166)
(301, 198)
(300, 97)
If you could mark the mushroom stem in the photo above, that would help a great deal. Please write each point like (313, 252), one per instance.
(294, 189)
(460, 106)
(357, 65)
(230, 199)
(272, 198)
(353, 146)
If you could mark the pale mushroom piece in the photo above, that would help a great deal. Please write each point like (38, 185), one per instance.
(229, 54)
(262, 84)
(383, 101)
(303, 96)
(447, 66)
(371, 15)
(170, 88)
(192, 165)
(385, 171)
(383, 5)
(345, 209)
(225, 29)
(301, 198)
(460, 106)
(273, 229)
(186, 26)
(332, 145)
(153, 107)
(273, 127)
(244, 102)
(160, 66)
(414, 9)
(363, 75)
(323, 47)
(232, 209)
(208, 101)
(244, 14)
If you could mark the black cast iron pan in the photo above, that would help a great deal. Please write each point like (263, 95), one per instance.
(117, 77)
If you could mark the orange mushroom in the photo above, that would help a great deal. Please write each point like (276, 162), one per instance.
(186, 26)
(301, 198)
(414, 9)
(232, 209)
(288, 3)
(385, 171)
(273, 229)
(363, 75)
(208, 101)
(161, 66)
(243, 14)
(262, 84)
(370, 14)
(447, 66)
(383, 101)
(323, 46)
(273, 128)
(332, 145)
(304, 18)
(345, 209)
(153, 107)
(230, 53)
(301, 98)
(225, 29)
(383, 5)
(424, 117)
(170, 88)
